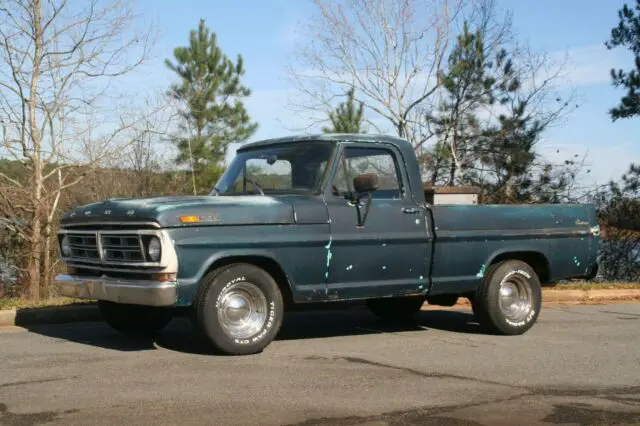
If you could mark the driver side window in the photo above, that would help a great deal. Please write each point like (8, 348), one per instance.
(356, 161)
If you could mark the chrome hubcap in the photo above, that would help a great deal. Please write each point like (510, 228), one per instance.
(515, 298)
(242, 310)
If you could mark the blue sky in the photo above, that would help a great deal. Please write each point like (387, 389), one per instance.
(264, 32)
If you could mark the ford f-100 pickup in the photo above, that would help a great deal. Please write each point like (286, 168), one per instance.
(324, 218)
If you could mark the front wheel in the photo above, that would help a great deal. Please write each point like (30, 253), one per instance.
(509, 300)
(239, 309)
(134, 320)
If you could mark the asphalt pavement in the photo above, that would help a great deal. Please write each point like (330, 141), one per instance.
(578, 365)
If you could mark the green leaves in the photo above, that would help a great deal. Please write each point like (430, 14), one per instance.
(627, 34)
(210, 90)
(347, 118)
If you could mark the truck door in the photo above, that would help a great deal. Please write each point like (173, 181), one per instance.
(389, 253)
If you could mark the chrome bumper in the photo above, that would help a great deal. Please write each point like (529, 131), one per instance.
(139, 292)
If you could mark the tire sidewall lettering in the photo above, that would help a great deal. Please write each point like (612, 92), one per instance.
(226, 286)
(271, 316)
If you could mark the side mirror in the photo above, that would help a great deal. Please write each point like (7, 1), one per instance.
(364, 183)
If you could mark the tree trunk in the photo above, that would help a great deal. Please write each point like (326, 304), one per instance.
(35, 251)
(34, 266)
(452, 173)
(46, 263)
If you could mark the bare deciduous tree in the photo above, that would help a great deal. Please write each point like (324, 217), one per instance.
(58, 111)
(390, 51)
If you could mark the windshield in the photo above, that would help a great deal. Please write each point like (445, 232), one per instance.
(282, 169)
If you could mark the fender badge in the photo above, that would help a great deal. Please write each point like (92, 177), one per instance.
(107, 212)
(130, 212)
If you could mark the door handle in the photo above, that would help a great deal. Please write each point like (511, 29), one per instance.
(410, 210)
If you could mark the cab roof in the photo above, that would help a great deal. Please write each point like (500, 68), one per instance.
(328, 137)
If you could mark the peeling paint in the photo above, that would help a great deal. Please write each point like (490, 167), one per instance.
(480, 273)
(329, 255)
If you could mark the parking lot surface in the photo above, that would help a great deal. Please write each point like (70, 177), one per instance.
(578, 365)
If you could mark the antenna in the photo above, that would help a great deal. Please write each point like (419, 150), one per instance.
(193, 176)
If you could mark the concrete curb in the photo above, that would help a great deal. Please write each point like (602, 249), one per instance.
(89, 312)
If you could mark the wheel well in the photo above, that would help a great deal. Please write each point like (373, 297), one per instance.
(534, 259)
(271, 266)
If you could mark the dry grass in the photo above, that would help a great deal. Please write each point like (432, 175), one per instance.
(19, 303)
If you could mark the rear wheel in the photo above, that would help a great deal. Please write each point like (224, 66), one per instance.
(239, 309)
(135, 320)
(397, 308)
(510, 298)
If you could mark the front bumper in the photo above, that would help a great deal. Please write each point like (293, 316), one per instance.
(139, 292)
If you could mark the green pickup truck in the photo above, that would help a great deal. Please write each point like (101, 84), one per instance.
(323, 218)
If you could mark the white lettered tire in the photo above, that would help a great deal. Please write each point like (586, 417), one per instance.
(509, 299)
(239, 309)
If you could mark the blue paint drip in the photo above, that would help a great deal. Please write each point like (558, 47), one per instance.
(329, 255)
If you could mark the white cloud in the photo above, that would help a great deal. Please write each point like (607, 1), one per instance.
(591, 65)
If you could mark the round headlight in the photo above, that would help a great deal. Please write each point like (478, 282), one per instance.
(153, 250)
(65, 247)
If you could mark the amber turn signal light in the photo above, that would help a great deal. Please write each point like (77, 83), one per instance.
(189, 219)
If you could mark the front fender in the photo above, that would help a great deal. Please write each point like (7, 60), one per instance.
(188, 286)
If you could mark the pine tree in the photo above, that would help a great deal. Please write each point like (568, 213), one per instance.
(347, 118)
(627, 34)
(214, 115)
(497, 153)
(467, 85)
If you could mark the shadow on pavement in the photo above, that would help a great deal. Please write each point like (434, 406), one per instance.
(179, 335)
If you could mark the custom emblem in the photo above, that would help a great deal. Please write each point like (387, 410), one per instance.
(210, 218)
(107, 212)
(130, 212)
(87, 213)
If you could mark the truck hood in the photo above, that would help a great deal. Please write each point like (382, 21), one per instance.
(166, 211)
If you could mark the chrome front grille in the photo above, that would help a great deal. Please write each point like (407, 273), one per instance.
(116, 251)
(109, 249)
(122, 248)
(84, 247)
